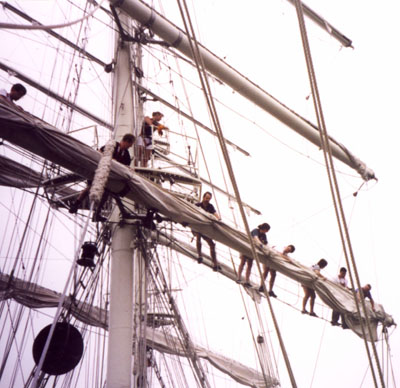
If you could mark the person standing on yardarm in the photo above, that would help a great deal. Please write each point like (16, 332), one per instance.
(208, 207)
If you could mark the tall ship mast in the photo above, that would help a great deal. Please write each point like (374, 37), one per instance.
(107, 287)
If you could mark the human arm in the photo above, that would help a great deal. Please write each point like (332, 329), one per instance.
(148, 120)
(160, 128)
(372, 304)
(369, 296)
(258, 242)
(319, 274)
(217, 216)
(287, 258)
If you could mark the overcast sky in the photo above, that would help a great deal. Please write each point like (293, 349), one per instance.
(359, 91)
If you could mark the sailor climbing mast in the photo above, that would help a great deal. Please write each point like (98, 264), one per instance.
(119, 363)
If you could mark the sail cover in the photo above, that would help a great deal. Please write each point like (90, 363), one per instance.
(29, 132)
(35, 296)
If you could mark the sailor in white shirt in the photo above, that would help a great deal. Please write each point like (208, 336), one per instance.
(17, 92)
(340, 279)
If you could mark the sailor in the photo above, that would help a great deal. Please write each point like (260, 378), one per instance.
(120, 154)
(17, 92)
(208, 207)
(144, 143)
(309, 293)
(342, 281)
(288, 249)
(365, 292)
(259, 236)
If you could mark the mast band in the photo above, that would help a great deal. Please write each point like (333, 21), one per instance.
(151, 20)
(178, 40)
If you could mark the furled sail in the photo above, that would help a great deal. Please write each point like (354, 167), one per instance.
(26, 131)
(35, 296)
(14, 174)
(333, 295)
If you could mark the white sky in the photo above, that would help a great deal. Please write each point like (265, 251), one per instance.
(359, 91)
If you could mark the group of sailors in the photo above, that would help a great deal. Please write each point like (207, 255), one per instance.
(143, 144)
(259, 236)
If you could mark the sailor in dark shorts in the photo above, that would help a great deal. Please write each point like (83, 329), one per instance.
(309, 293)
(208, 207)
(266, 269)
(259, 236)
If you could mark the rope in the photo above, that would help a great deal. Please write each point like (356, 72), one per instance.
(59, 308)
(214, 116)
(344, 233)
(388, 356)
(50, 27)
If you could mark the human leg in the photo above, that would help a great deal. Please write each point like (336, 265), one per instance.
(213, 254)
(305, 299)
(198, 247)
(139, 151)
(312, 302)
(147, 155)
(139, 156)
(240, 268)
(335, 318)
(97, 217)
(344, 324)
(148, 150)
(248, 269)
(82, 195)
(271, 283)
(263, 277)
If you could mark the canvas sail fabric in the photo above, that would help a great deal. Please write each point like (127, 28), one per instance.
(334, 295)
(14, 174)
(35, 296)
(25, 130)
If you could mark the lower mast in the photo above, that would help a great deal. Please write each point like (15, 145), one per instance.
(119, 362)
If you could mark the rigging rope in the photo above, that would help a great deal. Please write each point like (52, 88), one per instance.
(181, 328)
(49, 27)
(208, 95)
(340, 216)
(59, 308)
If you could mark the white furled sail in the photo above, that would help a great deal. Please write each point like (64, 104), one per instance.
(34, 135)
